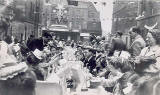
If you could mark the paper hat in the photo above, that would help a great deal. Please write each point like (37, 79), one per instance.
(38, 53)
(151, 27)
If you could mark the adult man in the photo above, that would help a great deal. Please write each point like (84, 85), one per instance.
(90, 60)
(117, 44)
(30, 39)
(138, 42)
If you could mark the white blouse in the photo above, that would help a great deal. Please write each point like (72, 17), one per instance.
(5, 56)
(154, 51)
(122, 54)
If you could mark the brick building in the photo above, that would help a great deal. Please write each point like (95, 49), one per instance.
(124, 14)
(124, 17)
(6, 15)
(80, 17)
(28, 14)
(24, 17)
(150, 9)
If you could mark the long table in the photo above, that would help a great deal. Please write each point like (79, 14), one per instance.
(56, 82)
(79, 74)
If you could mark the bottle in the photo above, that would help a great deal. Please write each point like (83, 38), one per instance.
(88, 82)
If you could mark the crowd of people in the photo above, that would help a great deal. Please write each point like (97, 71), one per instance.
(122, 70)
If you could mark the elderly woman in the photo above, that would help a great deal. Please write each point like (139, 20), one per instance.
(148, 62)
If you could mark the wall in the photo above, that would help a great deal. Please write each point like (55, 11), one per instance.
(151, 11)
(79, 17)
(27, 18)
(124, 14)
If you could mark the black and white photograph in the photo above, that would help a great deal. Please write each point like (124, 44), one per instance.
(79, 47)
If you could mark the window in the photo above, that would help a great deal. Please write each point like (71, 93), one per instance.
(77, 24)
(91, 15)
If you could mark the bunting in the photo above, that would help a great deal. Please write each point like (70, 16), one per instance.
(105, 8)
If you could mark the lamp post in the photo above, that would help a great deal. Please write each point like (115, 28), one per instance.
(25, 27)
(36, 17)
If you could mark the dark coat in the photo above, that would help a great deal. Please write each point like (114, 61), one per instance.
(91, 63)
(36, 43)
(22, 84)
(117, 44)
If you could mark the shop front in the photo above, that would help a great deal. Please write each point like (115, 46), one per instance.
(62, 32)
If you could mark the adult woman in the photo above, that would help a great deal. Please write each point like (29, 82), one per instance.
(147, 63)
(118, 48)
(118, 54)
(149, 57)
(79, 54)
(15, 78)
(117, 65)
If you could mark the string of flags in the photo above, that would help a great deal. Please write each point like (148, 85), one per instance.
(126, 18)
